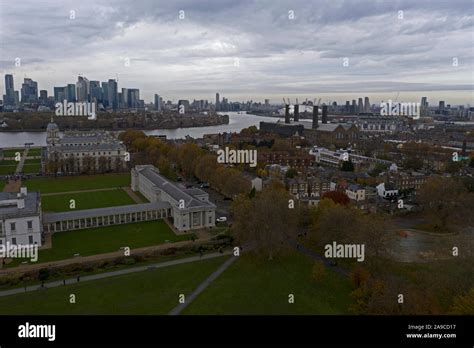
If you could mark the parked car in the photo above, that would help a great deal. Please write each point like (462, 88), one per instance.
(221, 219)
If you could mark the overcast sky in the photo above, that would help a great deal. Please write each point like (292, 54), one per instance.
(247, 49)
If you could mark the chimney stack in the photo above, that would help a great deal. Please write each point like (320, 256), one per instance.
(315, 116)
(325, 114)
(296, 116)
(287, 113)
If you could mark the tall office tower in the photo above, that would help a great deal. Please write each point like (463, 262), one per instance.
(366, 104)
(296, 114)
(43, 95)
(267, 102)
(125, 101)
(71, 93)
(354, 106)
(105, 94)
(60, 93)
(315, 117)
(29, 91)
(82, 88)
(424, 102)
(218, 106)
(113, 94)
(9, 98)
(95, 92)
(134, 97)
(360, 107)
(325, 114)
(424, 106)
(157, 102)
(347, 108)
(441, 105)
(287, 113)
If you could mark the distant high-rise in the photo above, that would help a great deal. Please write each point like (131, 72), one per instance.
(441, 105)
(125, 101)
(217, 102)
(95, 92)
(9, 98)
(134, 97)
(113, 94)
(366, 104)
(71, 93)
(315, 117)
(60, 93)
(354, 106)
(360, 106)
(43, 95)
(347, 108)
(157, 102)
(82, 88)
(296, 112)
(29, 91)
(105, 94)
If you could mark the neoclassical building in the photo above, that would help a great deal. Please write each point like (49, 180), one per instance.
(85, 151)
(190, 208)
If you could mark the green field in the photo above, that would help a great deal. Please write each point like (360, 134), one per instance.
(5, 170)
(86, 200)
(8, 163)
(11, 152)
(108, 239)
(149, 292)
(78, 183)
(262, 287)
(31, 168)
(34, 151)
(33, 161)
(2, 185)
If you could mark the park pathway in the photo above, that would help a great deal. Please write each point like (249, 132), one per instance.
(19, 167)
(92, 277)
(179, 308)
(79, 191)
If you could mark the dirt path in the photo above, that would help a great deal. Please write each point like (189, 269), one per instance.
(12, 186)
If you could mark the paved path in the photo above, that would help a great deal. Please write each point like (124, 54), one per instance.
(190, 298)
(136, 198)
(69, 192)
(12, 186)
(19, 167)
(151, 267)
(98, 257)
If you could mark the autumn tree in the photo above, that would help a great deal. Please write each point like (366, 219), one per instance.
(337, 197)
(266, 221)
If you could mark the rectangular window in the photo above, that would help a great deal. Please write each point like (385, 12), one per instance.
(30, 239)
(13, 226)
(14, 241)
(30, 224)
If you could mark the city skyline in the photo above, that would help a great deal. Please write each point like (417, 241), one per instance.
(250, 50)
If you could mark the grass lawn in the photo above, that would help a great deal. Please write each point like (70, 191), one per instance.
(148, 292)
(86, 200)
(78, 183)
(34, 151)
(5, 170)
(2, 185)
(31, 168)
(262, 287)
(33, 161)
(8, 163)
(108, 239)
(12, 152)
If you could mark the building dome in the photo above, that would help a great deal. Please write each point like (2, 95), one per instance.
(52, 127)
